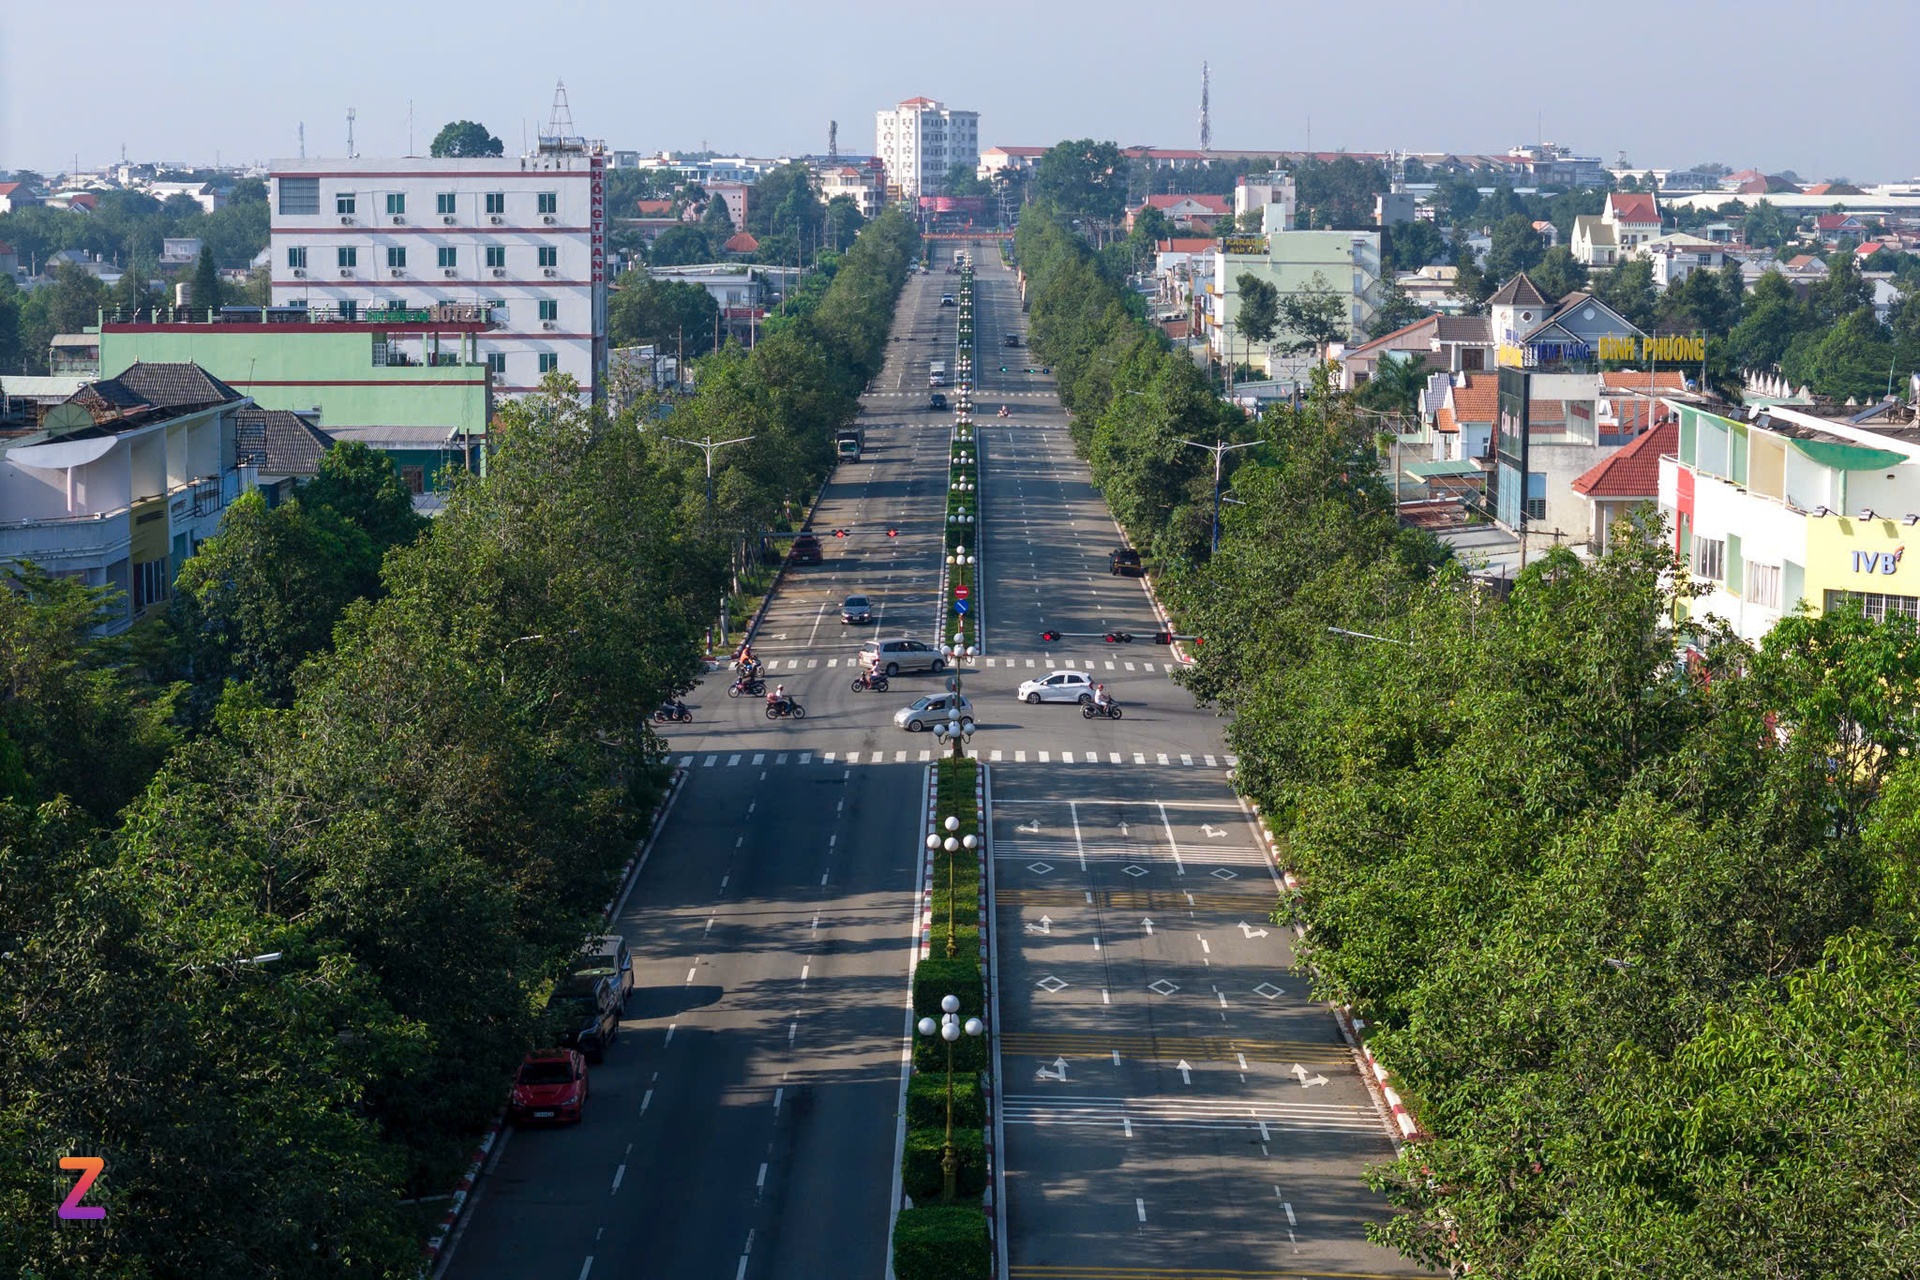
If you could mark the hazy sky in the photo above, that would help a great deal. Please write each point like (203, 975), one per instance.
(1813, 88)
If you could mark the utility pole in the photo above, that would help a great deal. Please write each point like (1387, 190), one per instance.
(1219, 452)
(707, 447)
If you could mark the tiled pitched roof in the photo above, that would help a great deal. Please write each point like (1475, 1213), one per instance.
(1466, 329)
(279, 442)
(1633, 206)
(1213, 204)
(1634, 470)
(1617, 383)
(741, 242)
(174, 386)
(1835, 221)
(1444, 421)
(1186, 244)
(1388, 340)
(1478, 399)
(1519, 292)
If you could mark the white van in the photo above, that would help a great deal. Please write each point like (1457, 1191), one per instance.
(900, 654)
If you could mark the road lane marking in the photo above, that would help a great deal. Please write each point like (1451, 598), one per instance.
(586, 1267)
(738, 841)
(690, 973)
(806, 757)
(760, 758)
(1140, 1207)
(618, 1174)
(827, 758)
(778, 1094)
(1162, 758)
(1115, 755)
(646, 1102)
(1139, 758)
(671, 1028)
(760, 1183)
(1043, 757)
(708, 762)
(1186, 760)
(1209, 760)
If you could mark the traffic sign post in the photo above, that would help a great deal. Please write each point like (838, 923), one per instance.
(960, 593)
(960, 606)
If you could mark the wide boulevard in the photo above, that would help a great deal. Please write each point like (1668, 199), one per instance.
(1174, 1101)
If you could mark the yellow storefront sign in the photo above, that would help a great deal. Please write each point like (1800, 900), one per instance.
(1854, 555)
(1672, 348)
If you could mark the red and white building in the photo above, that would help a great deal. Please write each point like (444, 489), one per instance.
(525, 236)
(1187, 213)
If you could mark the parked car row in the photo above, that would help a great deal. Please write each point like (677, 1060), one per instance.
(585, 1011)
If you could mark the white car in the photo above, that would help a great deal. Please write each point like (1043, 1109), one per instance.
(1061, 686)
(929, 711)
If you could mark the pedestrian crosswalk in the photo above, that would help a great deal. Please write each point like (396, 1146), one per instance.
(1233, 1114)
(925, 755)
(1010, 664)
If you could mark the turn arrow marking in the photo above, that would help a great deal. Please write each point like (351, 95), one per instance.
(1059, 1071)
(1250, 931)
(1212, 832)
(1045, 925)
(1030, 828)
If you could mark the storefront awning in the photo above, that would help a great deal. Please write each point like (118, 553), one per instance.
(1849, 457)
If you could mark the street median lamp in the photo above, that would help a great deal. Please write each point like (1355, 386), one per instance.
(952, 845)
(950, 1029)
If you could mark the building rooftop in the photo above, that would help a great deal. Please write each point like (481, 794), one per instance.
(1632, 471)
(1518, 292)
(279, 442)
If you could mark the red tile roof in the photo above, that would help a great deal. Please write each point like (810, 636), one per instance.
(1621, 381)
(1478, 400)
(740, 242)
(1633, 206)
(1187, 244)
(917, 102)
(1634, 471)
(1386, 340)
(1213, 204)
(652, 207)
(1834, 221)
(1443, 421)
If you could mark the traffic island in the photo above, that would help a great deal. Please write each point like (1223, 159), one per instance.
(946, 1161)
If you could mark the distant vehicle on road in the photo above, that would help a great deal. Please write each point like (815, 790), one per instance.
(1061, 686)
(1125, 562)
(609, 953)
(936, 401)
(856, 611)
(927, 712)
(549, 1088)
(946, 300)
(587, 1006)
(849, 441)
(806, 550)
(937, 373)
(1013, 339)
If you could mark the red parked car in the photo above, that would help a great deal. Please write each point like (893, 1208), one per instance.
(551, 1088)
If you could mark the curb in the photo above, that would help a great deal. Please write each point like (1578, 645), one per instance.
(436, 1243)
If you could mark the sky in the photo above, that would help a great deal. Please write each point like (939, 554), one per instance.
(1762, 83)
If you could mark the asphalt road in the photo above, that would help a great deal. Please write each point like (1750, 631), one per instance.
(743, 1126)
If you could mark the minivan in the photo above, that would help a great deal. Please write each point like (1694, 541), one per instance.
(610, 952)
(900, 654)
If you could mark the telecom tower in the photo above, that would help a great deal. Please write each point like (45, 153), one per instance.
(351, 153)
(560, 125)
(1206, 124)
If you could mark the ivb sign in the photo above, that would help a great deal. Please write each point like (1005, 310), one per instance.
(1878, 561)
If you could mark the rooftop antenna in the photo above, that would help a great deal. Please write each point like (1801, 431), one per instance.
(833, 139)
(351, 153)
(303, 139)
(561, 125)
(1206, 124)
(409, 126)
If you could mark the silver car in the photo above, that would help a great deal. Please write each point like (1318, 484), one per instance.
(932, 710)
(1061, 686)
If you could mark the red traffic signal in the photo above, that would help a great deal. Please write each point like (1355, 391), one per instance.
(1163, 637)
(1119, 637)
(839, 533)
(1049, 636)
(893, 533)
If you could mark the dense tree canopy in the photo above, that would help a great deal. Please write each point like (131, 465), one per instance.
(464, 138)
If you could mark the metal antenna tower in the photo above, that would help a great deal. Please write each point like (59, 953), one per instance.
(1206, 124)
(833, 139)
(351, 153)
(303, 139)
(561, 125)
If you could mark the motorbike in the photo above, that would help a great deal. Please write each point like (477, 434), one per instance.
(754, 686)
(1094, 711)
(1004, 413)
(864, 681)
(674, 711)
(782, 710)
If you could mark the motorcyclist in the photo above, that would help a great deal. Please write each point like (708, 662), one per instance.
(1003, 411)
(778, 698)
(1100, 699)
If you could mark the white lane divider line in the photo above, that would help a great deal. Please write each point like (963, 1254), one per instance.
(759, 758)
(1043, 757)
(1138, 758)
(1140, 1207)
(1186, 760)
(646, 1102)
(618, 1174)
(806, 757)
(671, 1028)
(1162, 758)
(1209, 761)
(1019, 757)
(993, 757)
(1116, 756)
(586, 1268)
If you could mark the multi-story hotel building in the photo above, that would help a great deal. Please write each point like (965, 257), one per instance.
(920, 140)
(524, 236)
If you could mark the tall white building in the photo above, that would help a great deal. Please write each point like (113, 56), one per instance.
(920, 140)
(525, 236)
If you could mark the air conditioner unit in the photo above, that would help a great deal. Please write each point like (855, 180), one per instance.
(448, 219)
(548, 218)
(300, 273)
(553, 271)
(500, 272)
(549, 324)
(346, 273)
(346, 221)
(451, 272)
(399, 221)
(496, 219)
(398, 272)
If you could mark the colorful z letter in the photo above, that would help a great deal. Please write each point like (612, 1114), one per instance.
(89, 1167)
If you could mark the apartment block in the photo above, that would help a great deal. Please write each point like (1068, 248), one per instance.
(920, 140)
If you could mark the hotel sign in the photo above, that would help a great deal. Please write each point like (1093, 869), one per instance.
(1245, 244)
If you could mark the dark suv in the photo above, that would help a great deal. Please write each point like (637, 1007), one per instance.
(936, 401)
(1125, 561)
(806, 549)
(586, 1007)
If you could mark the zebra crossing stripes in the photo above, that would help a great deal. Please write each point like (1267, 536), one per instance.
(1187, 1113)
(731, 760)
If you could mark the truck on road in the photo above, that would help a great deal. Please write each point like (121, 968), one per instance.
(849, 441)
(937, 374)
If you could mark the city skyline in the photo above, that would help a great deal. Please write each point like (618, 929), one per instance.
(1516, 75)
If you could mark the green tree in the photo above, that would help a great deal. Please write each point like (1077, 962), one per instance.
(1083, 178)
(717, 221)
(1412, 245)
(458, 138)
(363, 487)
(1629, 290)
(73, 301)
(1314, 317)
(206, 282)
(663, 313)
(677, 246)
(1517, 247)
(1396, 311)
(1559, 273)
(1773, 316)
(963, 180)
(1258, 315)
(1766, 226)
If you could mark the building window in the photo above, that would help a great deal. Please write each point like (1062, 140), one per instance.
(449, 257)
(496, 255)
(549, 309)
(348, 255)
(549, 255)
(1876, 606)
(1710, 558)
(549, 202)
(496, 202)
(297, 257)
(1763, 585)
(299, 196)
(497, 362)
(151, 583)
(396, 256)
(396, 203)
(343, 202)
(549, 361)
(443, 203)
(415, 478)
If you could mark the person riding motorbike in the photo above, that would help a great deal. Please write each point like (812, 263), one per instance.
(778, 698)
(1100, 698)
(1003, 411)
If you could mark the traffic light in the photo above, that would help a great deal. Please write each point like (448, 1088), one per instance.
(893, 533)
(1119, 637)
(1049, 636)
(1163, 637)
(839, 533)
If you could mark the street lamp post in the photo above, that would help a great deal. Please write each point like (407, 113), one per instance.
(952, 845)
(1219, 452)
(950, 1029)
(959, 727)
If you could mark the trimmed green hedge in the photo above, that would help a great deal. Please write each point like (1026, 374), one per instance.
(942, 1242)
(920, 1174)
(927, 1101)
(937, 976)
(930, 1054)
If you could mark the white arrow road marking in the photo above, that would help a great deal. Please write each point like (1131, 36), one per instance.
(1212, 832)
(1312, 1081)
(1045, 925)
(1300, 1072)
(1123, 828)
(1250, 931)
(1186, 1072)
(1031, 828)
(1147, 924)
(1059, 1071)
